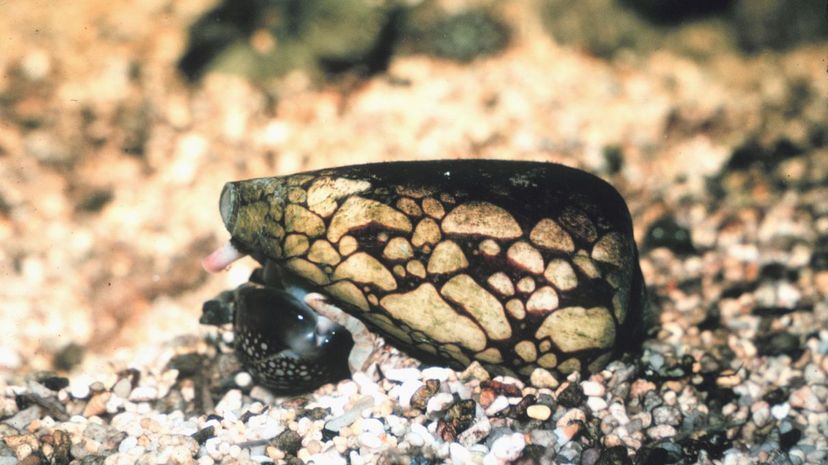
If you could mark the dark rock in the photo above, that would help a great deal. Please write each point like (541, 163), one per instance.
(781, 343)
(54, 383)
(789, 438)
(819, 257)
(316, 413)
(459, 416)
(288, 441)
(201, 436)
(424, 393)
(677, 11)
(665, 453)
(69, 356)
(760, 24)
(468, 35)
(571, 396)
(187, 365)
(93, 202)
(92, 460)
(775, 396)
(666, 232)
(614, 456)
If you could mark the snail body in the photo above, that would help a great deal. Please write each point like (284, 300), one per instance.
(516, 265)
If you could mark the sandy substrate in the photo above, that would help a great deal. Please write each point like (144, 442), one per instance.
(110, 172)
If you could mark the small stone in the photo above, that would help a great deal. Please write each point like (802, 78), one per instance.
(122, 388)
(661, 432)
(459, 454)
(231, 402)
(243, 379)
(542, 437)
(614, 456)
(641, 387)
(79, 390)
(369, 440)
(475, 371)
(420, 398)
(54, 383)
(505, 449)
(402, 375)
(500, 403)
(97, 404)
(475, 433)
(144, 394)
(592, 388)
(666, 415)
(23, 418)
(337, 423)
(804, 398)
(539, 412)
(438, 373)
(439, 402)
(288, 441)
(569, 425)
(596, 404)
(570, 395)
(542, 378)
(781, 411)
(202, 435)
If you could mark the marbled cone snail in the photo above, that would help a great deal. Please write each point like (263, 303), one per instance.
(517, 265)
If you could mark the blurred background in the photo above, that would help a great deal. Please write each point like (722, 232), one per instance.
(120, 121)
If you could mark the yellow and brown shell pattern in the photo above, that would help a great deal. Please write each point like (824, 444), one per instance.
(517, 265)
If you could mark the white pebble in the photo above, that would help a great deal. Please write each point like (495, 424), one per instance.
(122, 388)
(143, 394)
(596, 404)
(456, 387)
(372, 425)
(592, 388)
(127, 444)
(79, 390)
(406, 391)
(262, 394)
(497, 405)
(459, 454)
(438, 373)
(230, 402)
(781, 411)
(439, 402)
(539, 412)
(402, 375)
(505, 449)
(243, 379)
(619, 413)
(370, 440)
(415, 439)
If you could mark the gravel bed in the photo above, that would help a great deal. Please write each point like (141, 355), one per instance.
(111, 168)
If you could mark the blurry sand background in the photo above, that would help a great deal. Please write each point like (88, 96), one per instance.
(112, 160)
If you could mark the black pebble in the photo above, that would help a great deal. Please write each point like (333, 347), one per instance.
(187, 364)
(572, 396)
(54, 383)
(614, 456)
(776, 396)
(665, 453)
(779, 344)
(201, 436)
(666, 232)
(789, 439)
(288, 441)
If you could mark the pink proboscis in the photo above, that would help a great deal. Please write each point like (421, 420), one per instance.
(221, 258)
